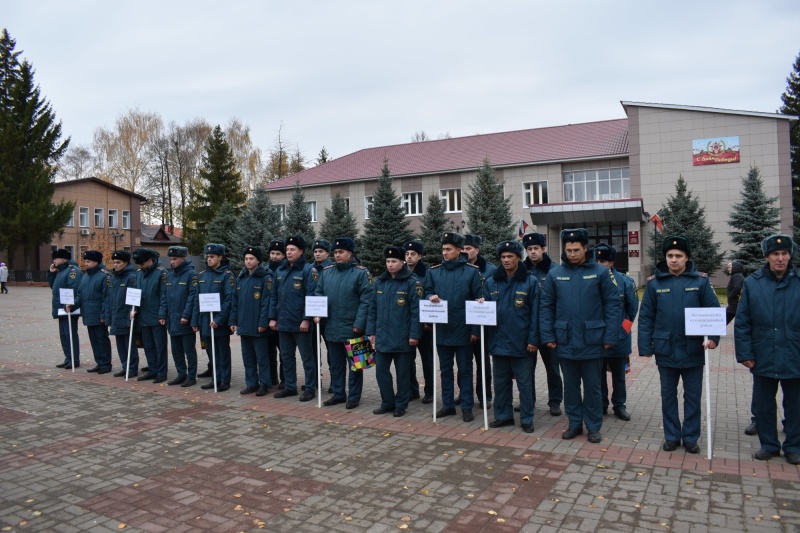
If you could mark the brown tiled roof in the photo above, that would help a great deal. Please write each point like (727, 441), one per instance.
(154, 234)
(574, 141)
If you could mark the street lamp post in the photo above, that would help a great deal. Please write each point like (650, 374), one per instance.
(116, 236)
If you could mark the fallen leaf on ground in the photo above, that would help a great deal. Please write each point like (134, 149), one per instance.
(492, 512)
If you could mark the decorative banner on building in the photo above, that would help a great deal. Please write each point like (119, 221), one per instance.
(715, 151)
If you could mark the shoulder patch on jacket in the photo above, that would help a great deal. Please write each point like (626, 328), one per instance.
(702, 274)
(73, 274)
(651, 278)
(435, 266)
(329, 266)
(314, 274)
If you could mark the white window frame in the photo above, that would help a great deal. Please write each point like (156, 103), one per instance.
(590, 183)
(281, 211)
(445, 195)
(312, 210)
(71, 248)
(113, 218)
(412, 203)
(99, 214)
(528, 195)
(83, 217)
(126, 219)
(346, 202)
(71, 222)
(368, 203)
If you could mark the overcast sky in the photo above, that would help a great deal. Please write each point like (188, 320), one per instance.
(349, 75)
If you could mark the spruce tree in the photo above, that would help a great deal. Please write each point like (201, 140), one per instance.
(682, 214)
(258, 224)
(222, 228)
(298, 218)
(791, 106)
(387, 224)
(754, 218)
(219, 182)
(434, 223)
(339, 221)
(488, 210)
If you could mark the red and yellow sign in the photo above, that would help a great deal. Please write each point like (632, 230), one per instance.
(715, 151)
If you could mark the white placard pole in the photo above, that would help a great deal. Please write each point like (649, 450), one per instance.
(71, 347)
(433, 313)
(130, 341)
(210, 302)
(483, 314)
(707, 373)
(213, 352)
(67, 297)
(435, 370)
(483, 385)
(319, 368)
(317, 306)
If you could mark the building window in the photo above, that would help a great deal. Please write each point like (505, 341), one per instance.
(84, 249)
(312, 210)
(346, 202)
(590, 185)
(534, 193)
(367, 206)
(126, 220)
(83, 217)
(98, 217)
(71, 250)
(112, 218)
(412, 203)
(71, 222)
(451, 198)
(281, 211)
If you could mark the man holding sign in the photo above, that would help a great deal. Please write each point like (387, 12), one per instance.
(65, 274)
(118, 314)
(766, 340)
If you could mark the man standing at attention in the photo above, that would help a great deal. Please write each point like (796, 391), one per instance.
(118, 314)
(65, 274)
(151, 278)
(181, 297)
(472, 247)
(414, 251)
(93, 285)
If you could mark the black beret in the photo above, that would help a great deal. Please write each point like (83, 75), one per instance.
(472, 240)
(510, 246)
(255, 251)
(121, 255)
(394, 252)
(296, 240)
(322, 244)
(141, 255)
(277, 245)
(677, 242)
(214, 249)
(605, 252)
(575, 235)
(414, 246)
(93, 255)
(344, 243)
(62, 253)
(177, 251)
(534, 239)
(778, 242)
(453, 238)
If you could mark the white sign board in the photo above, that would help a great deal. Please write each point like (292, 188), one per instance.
(209, 302)
(703, 321)
(133, 297)
(317, 306)
(433, 313)
(67, 296)
(482, 314)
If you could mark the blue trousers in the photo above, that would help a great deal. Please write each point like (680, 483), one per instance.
(505, 368)
(586, 408)
(63, 332)
(122, 351)
(101, 345)
(555, 386)
(402, 366)
(340, 367)
(462, 356)
(154, 339)
(619, 394)
(222, 349)
(184, 354)
(425, 348)
(692, 378)
(255, 357)
(291, 342)
(765, 389)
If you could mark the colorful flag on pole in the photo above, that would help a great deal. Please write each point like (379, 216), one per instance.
(523, 226)
(658, 222)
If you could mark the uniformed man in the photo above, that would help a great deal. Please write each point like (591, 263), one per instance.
(348, 287)
(294, 280)
(581, 315)
(455, 281)
(217, 278)
(65, 274)
(250, 320)
(151, 278)
(539, 264)
(483, 378)
(93, 285)
(181, 298)
(766, 342)
(394, 330)
(414, 251)
(277, 255)
(618, 356)
(513, 342)
(322, 254)
(675, 286)
(118, 313)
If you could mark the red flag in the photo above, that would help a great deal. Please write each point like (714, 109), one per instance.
(658, 222)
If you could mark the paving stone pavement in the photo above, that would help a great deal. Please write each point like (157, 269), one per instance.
(82, 452)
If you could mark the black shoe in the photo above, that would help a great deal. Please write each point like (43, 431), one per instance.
(793, 458)
(571, 433)
(262, 390)
(414, 396)
(467, 416)
(119, 374)
(669, 446)
(208, 386)
(555, 410)
(330, 390)
(93, 369)
(189, 382)
(281, 385)
(69, 366)
(223, 387)
(307, 396)
(248, 390)
(104, 371)
(285, 393)
(427, 399)
(527, 428)
(382, 410)
(62, 365)
(517, 408)
(752, 429)
(333, 401)
(398, 413)
(622, 414)
(501, 423)
(207, 374)
(145, 369)
(765, 455)
(691, 447)
(445, 412)
(177, 381)
(146, 377)
(302, 387)
(351, 404)
(594, 437)
(160, 379)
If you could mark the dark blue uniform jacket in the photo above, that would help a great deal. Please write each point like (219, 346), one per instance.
(517, 312)
(394, 311)
(250, 306)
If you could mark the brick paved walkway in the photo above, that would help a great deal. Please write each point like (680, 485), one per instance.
(82, 452)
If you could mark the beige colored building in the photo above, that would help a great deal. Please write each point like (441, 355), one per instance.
(608, 176)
